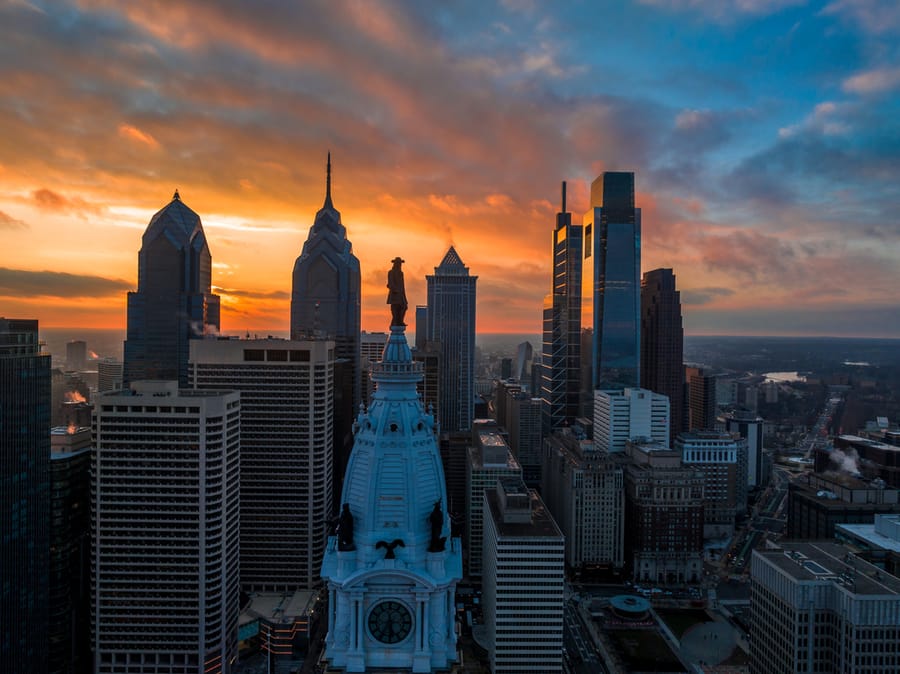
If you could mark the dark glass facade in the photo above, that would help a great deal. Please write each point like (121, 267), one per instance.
(24, 497)
(611, 302)
(561, 349)
(173, 303)
(325, 297)
(69, 609)
(451, 322)
(662, 343)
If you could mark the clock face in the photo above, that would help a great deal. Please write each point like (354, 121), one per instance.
(390, 622)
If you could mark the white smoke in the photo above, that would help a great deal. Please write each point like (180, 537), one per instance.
(847, 461)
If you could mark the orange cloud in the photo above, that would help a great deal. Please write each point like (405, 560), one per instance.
(130, 132)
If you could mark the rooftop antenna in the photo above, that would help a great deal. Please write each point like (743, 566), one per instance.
(328, 203)
(563, 196)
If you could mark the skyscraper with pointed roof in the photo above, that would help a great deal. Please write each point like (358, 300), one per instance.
(451, 321)
(326, 286)
(174, 301)
(561, 357)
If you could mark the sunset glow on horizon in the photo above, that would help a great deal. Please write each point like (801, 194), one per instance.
(764, 136)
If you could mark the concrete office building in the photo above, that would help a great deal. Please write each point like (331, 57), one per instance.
(814, 608)
(702, 406)
(287, 390)
(620, 416)
(817, 503)
(524, 581)
(109, 375)
(663, 515)
(166, 480)
(718, 455)
(749, 426)
(525, 440)
(490, 459)
(584, 491)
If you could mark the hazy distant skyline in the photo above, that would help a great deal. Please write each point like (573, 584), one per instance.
(764, 135)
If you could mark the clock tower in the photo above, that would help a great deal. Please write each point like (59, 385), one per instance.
(391, 568)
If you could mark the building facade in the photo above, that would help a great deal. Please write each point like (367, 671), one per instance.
(817, 503)
(816, 609)
(24, 495)
(165, 549)
(69, 606)
(451, 322)
(663, 515)
(662, 343)
(718, 456)
(628, 414)
(490, 459)
(325, 293)
(524, 581)
(287, 391)
(525, 438)
(561, 347)
(702, 406)
(611, 285)
(584, 491)
(392, 566)
(749, 426)
(174, 302)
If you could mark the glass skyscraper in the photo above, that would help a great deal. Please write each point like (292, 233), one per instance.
(611, 288)
(451, 321)
(173, 302)
(24, 497)
(325, 297)
(561, 356)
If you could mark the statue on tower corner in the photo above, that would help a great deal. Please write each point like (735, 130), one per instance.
(436, 520)
(345, 529)
(397, 293)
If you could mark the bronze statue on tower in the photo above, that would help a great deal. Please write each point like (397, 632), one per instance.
(397, 293)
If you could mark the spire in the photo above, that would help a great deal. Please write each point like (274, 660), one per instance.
(563, 196)
(176, 196)
(328, 203)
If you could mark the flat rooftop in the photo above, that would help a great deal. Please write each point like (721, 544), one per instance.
(542, 524)
(831, 562)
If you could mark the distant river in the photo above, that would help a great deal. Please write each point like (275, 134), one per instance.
(784, 376)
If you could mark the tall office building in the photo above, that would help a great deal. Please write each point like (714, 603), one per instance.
(451, 321)
(109, 375)
(814, 607)
(524, 581)
(371, 344)
(525, 439)
(24, 496)
(166, 481)
(286, 392)
(663, 515)
(629, 414)
(611, 290)
(490, 459)
(749, 426)
(76, 355)
(583, 489)
(561, 348)
(662, 343)
(69, 607)
(173, 303)
(701, 388)
(325, 296)
(392, 566)
(722, 458)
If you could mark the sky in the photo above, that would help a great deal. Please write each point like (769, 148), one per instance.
(764, 136)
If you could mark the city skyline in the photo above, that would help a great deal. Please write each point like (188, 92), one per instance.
(762, 135)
